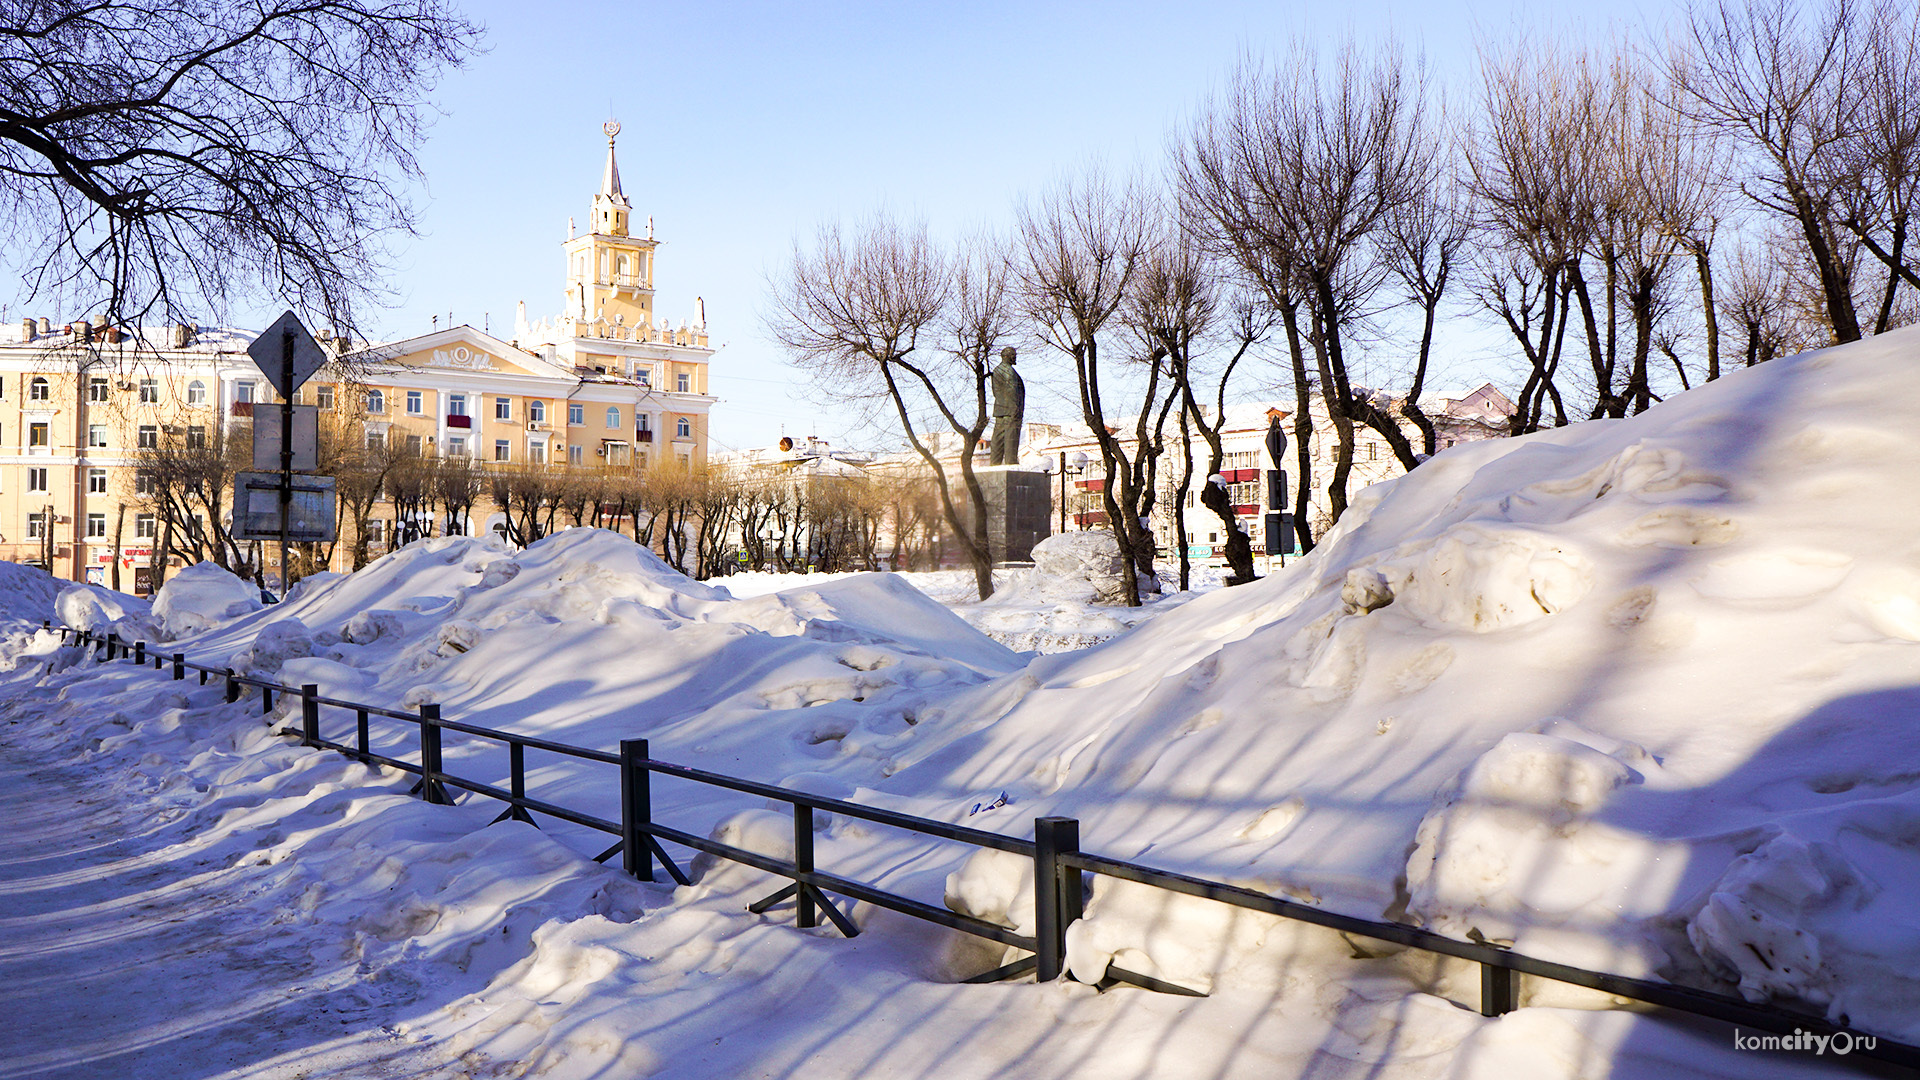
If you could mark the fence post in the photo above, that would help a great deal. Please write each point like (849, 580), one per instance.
(636, 809)
(179, 666)
(266, 700)
(804, 915)
(233, 688)
(1496, 990)
(310, 713)
(140, 653)
(360, 734)
(1053, 837)
(430, 786)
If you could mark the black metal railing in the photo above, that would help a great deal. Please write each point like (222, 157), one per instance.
(1059, 888)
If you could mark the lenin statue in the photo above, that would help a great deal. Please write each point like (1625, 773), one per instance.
(1009, 406)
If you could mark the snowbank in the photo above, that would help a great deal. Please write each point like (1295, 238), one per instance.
(203, 595)
(1635, 695)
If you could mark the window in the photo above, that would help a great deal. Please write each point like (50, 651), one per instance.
(243, 390)
(196, 437)
(376, 441)
(96, 526)
(36, 526)
(502, 408)
(573, 455)
(643, 423)
(147, 437)
(96, 434)
(613, 418)
(416, 402)
(536, 412)
(683, 382)
(143, 527)
(683, 428)
(456, 404)
(323, 397)
(536, 453)
(96, 481)
(619, 453)
(376, 531)
(640, 460)
(97, 388)
(1373, 451)
(502, 450)
(196, 393)
(413, 445)
(38, 390)
(644, 375)
(576, 413)
(36, 479)
(37, 435)
(149, 391)
(376, 401)
(456, 446)
(144, 482)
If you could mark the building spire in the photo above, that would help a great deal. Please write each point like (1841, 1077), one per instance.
(610, 182)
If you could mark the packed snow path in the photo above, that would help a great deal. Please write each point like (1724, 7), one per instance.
(129, 950)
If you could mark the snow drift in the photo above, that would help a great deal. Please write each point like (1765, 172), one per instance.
(1638, 695)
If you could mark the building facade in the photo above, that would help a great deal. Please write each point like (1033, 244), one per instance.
(86, 409)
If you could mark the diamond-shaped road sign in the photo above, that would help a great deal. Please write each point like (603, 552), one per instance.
(270, 353)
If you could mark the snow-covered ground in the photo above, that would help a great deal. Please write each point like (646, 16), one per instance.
(1636, 695)
(1026, 613)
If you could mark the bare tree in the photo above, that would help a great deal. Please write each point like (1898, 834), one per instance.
(1081, 245)
(1299, 171)
(1780, 78)
(885, 316)
(162, 156)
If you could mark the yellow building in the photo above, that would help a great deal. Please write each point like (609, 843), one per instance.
(606, 385)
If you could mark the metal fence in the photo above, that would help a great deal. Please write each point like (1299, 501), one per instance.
(1059, 887)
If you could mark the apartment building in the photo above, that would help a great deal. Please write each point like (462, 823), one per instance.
(607, 385)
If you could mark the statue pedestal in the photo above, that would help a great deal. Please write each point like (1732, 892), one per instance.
(1019, 510)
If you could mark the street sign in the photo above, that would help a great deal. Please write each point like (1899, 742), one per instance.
(306, 438)
(1200, 551)
(287, 339)
(310, 512)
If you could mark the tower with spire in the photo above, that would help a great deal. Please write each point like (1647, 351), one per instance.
(610, 271)
(633, 363)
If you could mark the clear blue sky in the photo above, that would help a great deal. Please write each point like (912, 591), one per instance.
(746, 125)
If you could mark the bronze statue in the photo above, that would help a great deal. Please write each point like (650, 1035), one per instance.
(1009, 406)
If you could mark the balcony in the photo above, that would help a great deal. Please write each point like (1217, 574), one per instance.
(643, 435)
(241, 408)
(456, 420)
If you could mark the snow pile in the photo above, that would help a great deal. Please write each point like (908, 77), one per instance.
(27, 593)
(1069, 599)
(104, 611)
(1635, 695)
(198, 597)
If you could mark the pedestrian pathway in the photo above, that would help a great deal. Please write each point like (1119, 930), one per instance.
(130, 950)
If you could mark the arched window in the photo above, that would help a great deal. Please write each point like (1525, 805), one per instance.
(196, 393)
(683, 428)
(38, 390)
(613, 418)
(620, 266)
(376, 401)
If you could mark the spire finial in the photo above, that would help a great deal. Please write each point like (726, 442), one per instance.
(612, 128)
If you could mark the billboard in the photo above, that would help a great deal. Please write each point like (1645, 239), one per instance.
(256, 508)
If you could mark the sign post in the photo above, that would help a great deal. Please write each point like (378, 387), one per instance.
(287, 355)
